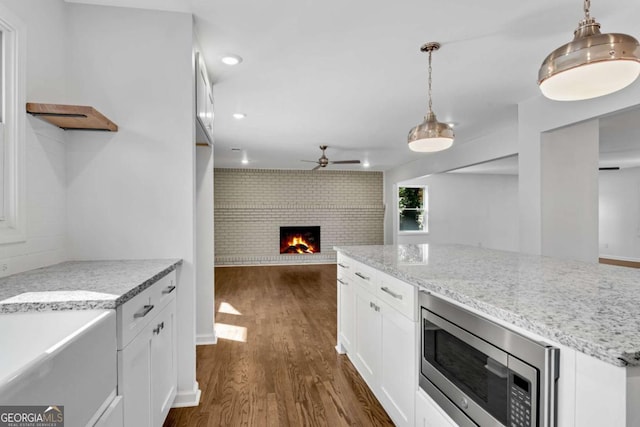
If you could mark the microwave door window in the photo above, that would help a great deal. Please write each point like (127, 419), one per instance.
(480, 377)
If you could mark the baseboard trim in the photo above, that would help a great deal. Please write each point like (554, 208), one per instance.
(206, 339)
(186, 399)
(620, 262)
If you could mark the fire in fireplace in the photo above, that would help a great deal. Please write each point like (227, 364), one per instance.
(300, 240)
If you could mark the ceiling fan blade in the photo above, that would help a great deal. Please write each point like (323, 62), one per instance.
(309, 161)
(345, 162)
(316, 168)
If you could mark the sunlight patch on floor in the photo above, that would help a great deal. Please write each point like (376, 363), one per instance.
(225, 307)
(231, 332)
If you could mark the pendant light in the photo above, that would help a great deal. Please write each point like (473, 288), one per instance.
(430, 135)
(591, 65)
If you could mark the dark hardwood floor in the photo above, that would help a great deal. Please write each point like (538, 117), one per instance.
(286, 372)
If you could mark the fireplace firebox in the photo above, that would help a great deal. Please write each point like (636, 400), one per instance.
(300, 240)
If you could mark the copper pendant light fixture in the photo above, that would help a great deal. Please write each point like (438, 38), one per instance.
(591, 65)
(431, 135)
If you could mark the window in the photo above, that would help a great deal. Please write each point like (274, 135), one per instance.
(12, 124)
(412, 209)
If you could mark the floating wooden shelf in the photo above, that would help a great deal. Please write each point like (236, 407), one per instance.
(72, 117)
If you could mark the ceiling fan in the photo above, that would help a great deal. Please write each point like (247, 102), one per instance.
(323, 161)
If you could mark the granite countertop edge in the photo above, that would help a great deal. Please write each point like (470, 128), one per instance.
(89, 303)
(617, 358)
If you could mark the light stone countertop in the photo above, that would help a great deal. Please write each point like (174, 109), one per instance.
(590, 307)
(81, 285)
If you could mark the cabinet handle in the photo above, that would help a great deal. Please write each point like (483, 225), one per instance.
(161, 325)
(374, 306)
(342, 282)
(390, 292)
(156, 330)
(343, 265)
(362, 276)
(143, 311)
(168, 290)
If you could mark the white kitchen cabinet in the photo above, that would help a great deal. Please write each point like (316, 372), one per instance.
(368, 342)
(382, 344)
(147, 368)
(398, 377)
(204, 103)
(163, 364)
(429, 414)
(346, 309)
(134, 379)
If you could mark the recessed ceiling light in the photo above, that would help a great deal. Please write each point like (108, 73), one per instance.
(366, 164)
(231, 59)
(245, 161)
(239, 116)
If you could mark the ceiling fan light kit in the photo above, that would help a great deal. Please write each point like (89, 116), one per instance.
(430, 135)
(591, 65)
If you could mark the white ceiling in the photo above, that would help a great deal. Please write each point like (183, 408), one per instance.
(349, 74)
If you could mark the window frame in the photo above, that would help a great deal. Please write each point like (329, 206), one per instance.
(425, 208)
(12, 126)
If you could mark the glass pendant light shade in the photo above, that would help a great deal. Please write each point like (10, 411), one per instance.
(592, 65)
(430, 135)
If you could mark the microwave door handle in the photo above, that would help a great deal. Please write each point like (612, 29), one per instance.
(496, 368)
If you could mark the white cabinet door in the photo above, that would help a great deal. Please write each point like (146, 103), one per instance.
(368, 342)
(134, 380)
(398, 366)
(347, 315)
(429, 414)
(204, 103)
(163, 364)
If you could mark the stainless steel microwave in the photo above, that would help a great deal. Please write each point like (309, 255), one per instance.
(483, 374)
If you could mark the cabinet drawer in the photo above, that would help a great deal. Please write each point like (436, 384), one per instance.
(364, 275)
(399, 295)
(135, 314)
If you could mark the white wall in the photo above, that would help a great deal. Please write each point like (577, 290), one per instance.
(499, 144)
(45, 173)
(569, 190)
(470, 209)
(205, 288)
(538, 115)
(131, 194)
(620, 214)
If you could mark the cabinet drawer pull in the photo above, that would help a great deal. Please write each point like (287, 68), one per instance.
(343, 265)
(143, 311)
(362, 276)
(168, 290)
(156, 330)
(390, 292)
(342, 282)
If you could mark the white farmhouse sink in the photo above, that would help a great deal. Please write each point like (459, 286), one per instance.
(59, 358)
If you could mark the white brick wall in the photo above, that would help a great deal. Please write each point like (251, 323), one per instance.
(252, 204)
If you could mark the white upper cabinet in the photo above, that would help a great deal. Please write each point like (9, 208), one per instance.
(204, 103)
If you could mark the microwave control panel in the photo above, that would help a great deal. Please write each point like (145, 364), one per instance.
(520, 402)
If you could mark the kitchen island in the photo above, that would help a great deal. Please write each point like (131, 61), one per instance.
(590, 311)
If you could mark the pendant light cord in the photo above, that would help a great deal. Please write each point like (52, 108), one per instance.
(430, 102)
